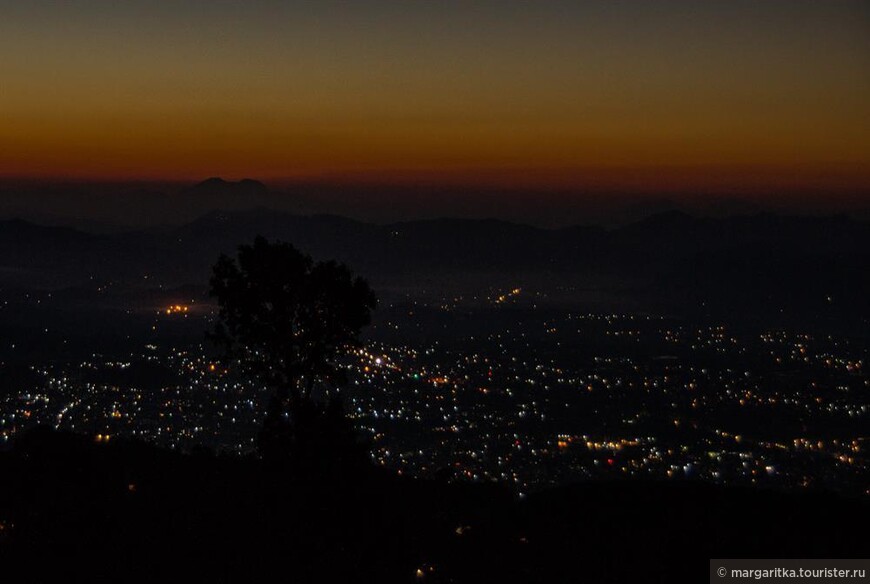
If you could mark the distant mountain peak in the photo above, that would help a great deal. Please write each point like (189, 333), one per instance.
(671, 218)
(215, 185)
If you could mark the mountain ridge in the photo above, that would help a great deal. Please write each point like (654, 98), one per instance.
(672, 255)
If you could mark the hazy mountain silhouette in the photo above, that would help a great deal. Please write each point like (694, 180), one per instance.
(779, 260)
(218, 188)
(112, 206)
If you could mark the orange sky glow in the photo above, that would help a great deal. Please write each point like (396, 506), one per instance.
(732, 96)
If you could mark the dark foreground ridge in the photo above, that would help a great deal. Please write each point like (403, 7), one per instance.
(76, 509)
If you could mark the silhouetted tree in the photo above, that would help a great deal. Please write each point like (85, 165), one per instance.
(284, 319)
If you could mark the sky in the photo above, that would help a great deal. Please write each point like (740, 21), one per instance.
(628, 96)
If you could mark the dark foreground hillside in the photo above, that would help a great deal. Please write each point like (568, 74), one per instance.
(76, 510)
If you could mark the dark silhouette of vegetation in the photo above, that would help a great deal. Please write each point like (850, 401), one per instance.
(284, 320)
(73, 509)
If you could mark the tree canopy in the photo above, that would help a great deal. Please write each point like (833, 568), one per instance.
(284, 319)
